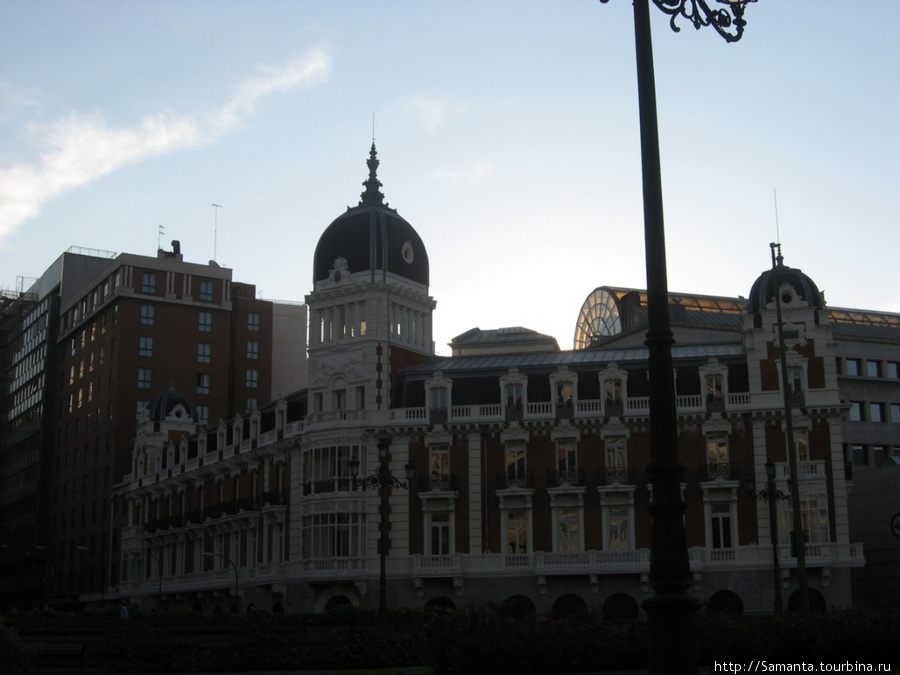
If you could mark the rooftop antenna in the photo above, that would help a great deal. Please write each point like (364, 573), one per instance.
(777, 232)
(216, 230)
(159, 237)
(373, 127)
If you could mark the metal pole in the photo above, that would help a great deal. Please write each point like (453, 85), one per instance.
(671, 612)
(773, 528)
(794, 483)
(383, 477)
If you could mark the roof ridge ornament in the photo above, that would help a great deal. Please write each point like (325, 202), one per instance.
(372, 193)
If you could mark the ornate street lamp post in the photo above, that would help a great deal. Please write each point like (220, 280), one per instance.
(671, 612)
(384, 480)
(773, 496)
(159, 577)
(207, 554)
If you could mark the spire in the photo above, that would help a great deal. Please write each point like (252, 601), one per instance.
(372, 194)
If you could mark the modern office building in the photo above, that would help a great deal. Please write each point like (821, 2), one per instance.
(526, 463)
(104, 335)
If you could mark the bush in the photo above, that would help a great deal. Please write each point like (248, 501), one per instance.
(15, 655)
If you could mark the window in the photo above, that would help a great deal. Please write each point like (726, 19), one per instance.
(205, 322)
(879, 452)
(203, 383)
(145, 378)
(873, 368)
(856, 411)
(566, 457)
(568, 532)
(439, 462)
(253, 321)
(333, 535)
(859, 456)
(814, 519)
(439, 399)
(515, 464)
(895, 412)
(616, 459)
(440, 534)
(514, 395)
(253, 379)
(876, 412)
(252, 404)
(148, 314)
(617, 521)
(517, 532)
(203, 414)
(149, 283)
(893, 370)
(252, 349)
(720, 525)
(206, 290)
(801, 445)
(853, 366)
(145, 346)
(204, 352)
(338, 397)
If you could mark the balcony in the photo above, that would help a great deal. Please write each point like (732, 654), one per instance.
(435, 482)
(720, 471)
(565, 478)
(327, 486)
(449, 565)
(615, 475)
(520, 481)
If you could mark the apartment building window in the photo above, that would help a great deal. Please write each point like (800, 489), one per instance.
(252, 404)
(619, 534)
(515, 464)
(333, 535)
(879, 452)
(149, 283)
(205, 322)
(895, 412)
(858, 455)
(517, 532)
(439, 462)
(568, 531)
(614, 401)
(253, 321)
(814, 519)
(439, 531)
(566, 457)
(148, 314)
(876, 412)
(204, 352)
(853, 366)
(203, 414)
(252, 379)
(873, 368)
(801, 445)
(206, 291)
(514, 400)
(892, 370)
(145, 346)
(616, 460)
(203, 383)
(252, 349)
(720, 525)
(856, 411)
(145, 378)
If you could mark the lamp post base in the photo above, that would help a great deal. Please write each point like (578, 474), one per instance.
(672, 633)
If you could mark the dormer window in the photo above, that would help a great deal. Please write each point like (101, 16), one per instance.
(613, 388)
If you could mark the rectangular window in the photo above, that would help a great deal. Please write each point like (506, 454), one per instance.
(517, 532)
(206, 291)
(439, 398)
(203, 414)
(203, 383)
(801, 445)
(566, 457)
(515, 461)
(149, 283)
(145, 378)
(856, 411)
(204, 352)
(252, 404)
(876, 412)
(145, 346)
(252, 349)
(853, 367)
(893, 370)
(859, 455)
(205, 322)
(895, 412)
(873, 368)
(568, 534)
(618, 529)
(253, 321)
(148, 314)
(720, 526)
(440, 534)
(253, 379)
(439, 462)
(879, 452)
(717, 448)
(615, 453)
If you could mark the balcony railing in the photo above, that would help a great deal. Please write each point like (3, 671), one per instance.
(719, 471)
(615, 475)
(437, 482)
(327, 486)
(565, 478)
(506, 481)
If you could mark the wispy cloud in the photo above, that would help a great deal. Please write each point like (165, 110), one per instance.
(82, 148)
(431, 111)
(467, 176)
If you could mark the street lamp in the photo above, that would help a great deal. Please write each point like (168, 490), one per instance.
(208, 554)
(673, 645)
(382, 479)
(773, 496)
(159, 575)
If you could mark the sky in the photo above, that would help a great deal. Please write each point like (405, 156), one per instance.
(507, 133)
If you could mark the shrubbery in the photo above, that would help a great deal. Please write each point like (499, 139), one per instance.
(471, 641)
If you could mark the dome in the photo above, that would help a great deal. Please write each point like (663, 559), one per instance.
(763, 291)
(167, 404)
(371, 237)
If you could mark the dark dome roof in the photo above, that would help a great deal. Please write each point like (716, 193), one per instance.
(372, 237)
(763, 291)
(164, 404)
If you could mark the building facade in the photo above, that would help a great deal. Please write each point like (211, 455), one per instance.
(528, 463)
(115, 331)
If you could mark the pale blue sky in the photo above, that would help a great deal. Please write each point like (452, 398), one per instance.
(507, 133)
